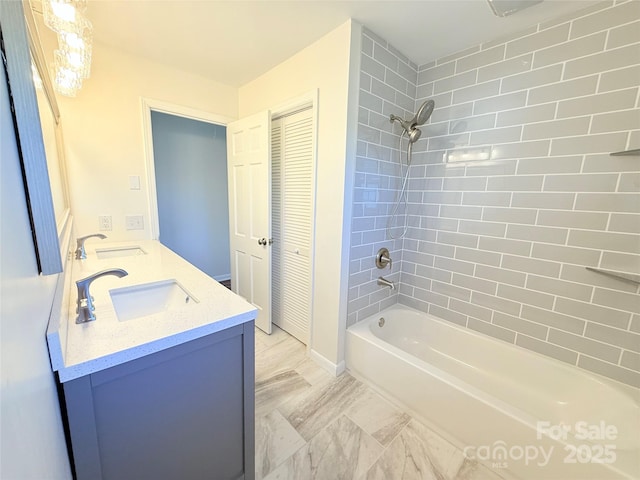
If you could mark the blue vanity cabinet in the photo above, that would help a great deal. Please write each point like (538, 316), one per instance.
(186, 412)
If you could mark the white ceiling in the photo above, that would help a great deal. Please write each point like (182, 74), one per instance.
(234, 42)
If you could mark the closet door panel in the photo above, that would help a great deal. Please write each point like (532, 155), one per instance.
(276, 223)
(293, 215)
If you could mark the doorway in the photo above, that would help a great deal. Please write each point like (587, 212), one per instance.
(190, 172)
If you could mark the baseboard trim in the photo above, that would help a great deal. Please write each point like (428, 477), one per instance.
(328, 365)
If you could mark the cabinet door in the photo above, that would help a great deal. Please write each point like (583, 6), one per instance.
(179, 413)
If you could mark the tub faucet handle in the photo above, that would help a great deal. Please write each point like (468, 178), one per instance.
(383, 258)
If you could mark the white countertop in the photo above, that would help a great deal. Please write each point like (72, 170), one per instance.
(80, 349)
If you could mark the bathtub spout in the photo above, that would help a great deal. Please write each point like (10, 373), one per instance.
(386, 283)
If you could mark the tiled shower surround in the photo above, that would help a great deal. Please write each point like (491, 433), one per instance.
(501, 246)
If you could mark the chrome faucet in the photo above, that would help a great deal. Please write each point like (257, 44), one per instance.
(80, 252)
(386, 283)
(85, 301)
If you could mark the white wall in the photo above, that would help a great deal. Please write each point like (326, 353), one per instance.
(104, 135)
(32, 438)
(323, 65)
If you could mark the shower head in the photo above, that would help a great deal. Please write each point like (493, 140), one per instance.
(414, 134)
(424, 112)
(420, 118)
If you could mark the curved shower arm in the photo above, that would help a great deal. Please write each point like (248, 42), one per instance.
(409, 128)
(420, 118)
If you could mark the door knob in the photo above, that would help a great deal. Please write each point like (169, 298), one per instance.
(262, 241)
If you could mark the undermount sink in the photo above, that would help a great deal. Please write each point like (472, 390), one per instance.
(129, 251)
(149, 298)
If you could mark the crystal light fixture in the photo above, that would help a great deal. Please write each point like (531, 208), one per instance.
(72, 60)
(66, 81)
(65, 15)
(74, 53)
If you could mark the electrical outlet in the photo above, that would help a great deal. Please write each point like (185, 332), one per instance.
(104, 223)
(134, 222)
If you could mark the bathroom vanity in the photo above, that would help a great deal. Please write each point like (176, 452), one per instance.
(161, 384)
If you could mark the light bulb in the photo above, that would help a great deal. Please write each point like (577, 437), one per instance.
(65, 15)
(64, 11)
(37, 81)
(67, 81)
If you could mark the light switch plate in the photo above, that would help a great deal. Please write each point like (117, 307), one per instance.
(134, 182)
(134, 222)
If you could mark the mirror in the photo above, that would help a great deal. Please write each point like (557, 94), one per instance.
(54, 149)
(21, 51)
(51, 125)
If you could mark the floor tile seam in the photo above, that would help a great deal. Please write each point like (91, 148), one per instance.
(275, 351)
(305, 445)
(294, 452)
(396, 406)
(362, 428)
(285, 460)
(323, 398)
(326, 381)
(275, 344)
(266, 336)
(382, 451)
(403, 427)
(286, 417)
(302, 398)
(279, 403)
(288, 368)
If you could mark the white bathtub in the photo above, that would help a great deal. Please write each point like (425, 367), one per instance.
(498, 402)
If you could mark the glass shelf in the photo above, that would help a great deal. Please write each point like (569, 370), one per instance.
(626, 152)
(628, 277)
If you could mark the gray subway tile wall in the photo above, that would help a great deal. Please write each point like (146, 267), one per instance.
(501, 246)
(388, 84)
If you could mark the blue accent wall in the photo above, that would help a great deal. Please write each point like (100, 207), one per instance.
(191, 181)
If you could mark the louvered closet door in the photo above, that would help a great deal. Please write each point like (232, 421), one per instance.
(292, 215)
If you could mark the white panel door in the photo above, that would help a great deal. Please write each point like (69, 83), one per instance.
(248, 158)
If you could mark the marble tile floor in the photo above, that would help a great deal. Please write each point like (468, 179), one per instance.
(310, 425)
